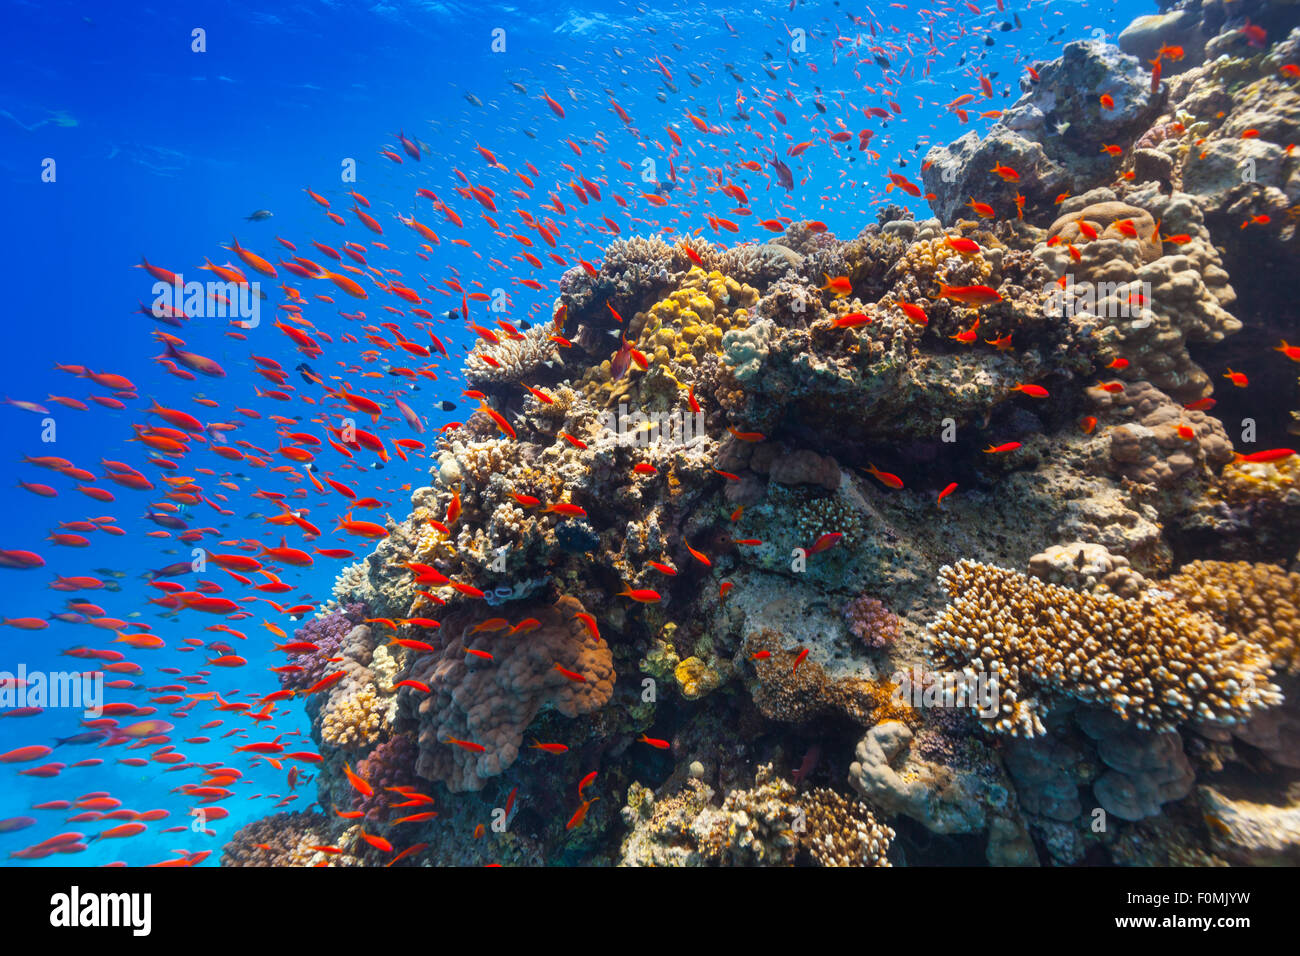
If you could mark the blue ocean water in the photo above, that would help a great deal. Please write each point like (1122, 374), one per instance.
(161, 151)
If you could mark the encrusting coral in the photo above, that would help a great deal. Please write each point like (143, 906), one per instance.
(488, 702)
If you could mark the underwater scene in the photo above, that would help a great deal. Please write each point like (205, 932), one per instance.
(651, 434)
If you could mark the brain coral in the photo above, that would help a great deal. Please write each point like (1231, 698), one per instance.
(1150, 660)
(490, 703)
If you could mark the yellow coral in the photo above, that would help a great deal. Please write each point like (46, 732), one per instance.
(1245, 481)
(354, 722)
(934, 259)
(696, 678)
(678, 331)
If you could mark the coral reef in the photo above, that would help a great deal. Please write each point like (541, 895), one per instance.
(743, 550)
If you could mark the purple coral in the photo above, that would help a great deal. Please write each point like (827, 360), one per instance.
(327, 634)
(391, 764)
(871, 622)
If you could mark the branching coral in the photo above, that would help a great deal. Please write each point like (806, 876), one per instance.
(328, 634)
(843, 832)
(1260, 602)
(512, 359)
(1150, 660)
(391, 764)
(355, 721)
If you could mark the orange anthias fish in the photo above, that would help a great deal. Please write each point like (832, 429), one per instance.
(1270, 455)
(851, 321)
(972, 295)
(839, 286)
(580, 815)
(915, 313)
(893, 481)
(1033, 391)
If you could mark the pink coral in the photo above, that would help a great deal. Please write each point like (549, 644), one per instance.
(391, 764)
(871, 622)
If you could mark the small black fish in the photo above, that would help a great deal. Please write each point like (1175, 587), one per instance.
(87, 737)
(447, 406)
(259, 215)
